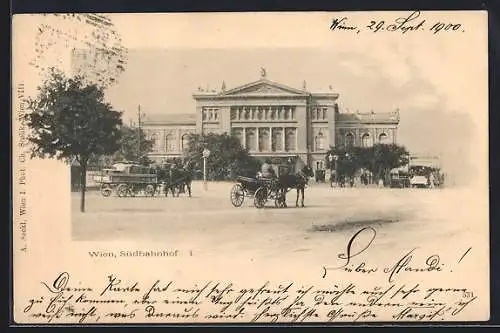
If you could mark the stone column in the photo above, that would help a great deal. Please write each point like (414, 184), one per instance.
(302, 128)
(244, 137)
(330, 116)
(179, 139)
(270, 139)
(162, 147)
(257, 148)
(283, 138)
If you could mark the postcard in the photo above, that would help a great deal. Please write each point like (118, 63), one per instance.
(284, 167)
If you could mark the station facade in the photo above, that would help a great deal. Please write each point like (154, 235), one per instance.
(272, 120)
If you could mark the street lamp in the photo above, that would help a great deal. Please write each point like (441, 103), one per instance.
(333, 158)
(205, 155)
(139, 114)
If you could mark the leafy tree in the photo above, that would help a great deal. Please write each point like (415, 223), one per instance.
(378, 159)
(227, 157)
(387, 157)
(347, 161)
(129, 149)
(70, 121)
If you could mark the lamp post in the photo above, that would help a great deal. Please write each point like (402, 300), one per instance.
(139, 114)
(205, 155)
(333, 158)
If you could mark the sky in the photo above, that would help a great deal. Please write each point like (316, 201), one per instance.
(438, 81)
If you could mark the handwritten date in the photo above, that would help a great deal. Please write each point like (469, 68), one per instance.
(405, 24)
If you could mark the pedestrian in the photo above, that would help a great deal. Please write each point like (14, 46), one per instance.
(431, 180)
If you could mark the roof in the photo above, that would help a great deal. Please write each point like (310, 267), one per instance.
(425, 161)
(170, 119)
(368, 117)
(260, 88)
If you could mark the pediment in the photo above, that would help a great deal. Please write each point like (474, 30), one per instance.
(263, 87)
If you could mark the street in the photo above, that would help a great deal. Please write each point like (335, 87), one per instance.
(207, 224)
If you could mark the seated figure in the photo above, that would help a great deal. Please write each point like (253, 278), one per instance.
(267, 171)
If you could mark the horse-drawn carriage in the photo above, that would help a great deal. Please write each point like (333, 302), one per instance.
(127, 179)
(265, 189)
(132, 179)
(260, 189)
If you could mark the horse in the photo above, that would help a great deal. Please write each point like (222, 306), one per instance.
(296, 181)
(176, 179)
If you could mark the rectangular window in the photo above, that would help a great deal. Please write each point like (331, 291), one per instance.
(290, 139)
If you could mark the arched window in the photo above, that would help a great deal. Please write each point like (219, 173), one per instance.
(250, 139)
(366, 140)
(290, 138)
(383, 138)
(264, 139)
(170, 142)
(319, 141)
(185, 141)
(349, 140)
(154, 141)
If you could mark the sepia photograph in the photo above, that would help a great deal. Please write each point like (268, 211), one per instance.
(251, 167)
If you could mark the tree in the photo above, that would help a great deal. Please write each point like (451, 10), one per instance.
(347, 161)
(227, 157)
(129, 149)
(378, 159)
(70, 121)
(387, 157)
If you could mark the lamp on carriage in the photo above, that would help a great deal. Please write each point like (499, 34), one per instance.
(205, 155)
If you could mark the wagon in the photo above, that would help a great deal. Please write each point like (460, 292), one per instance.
(127, 179)
(261, 190)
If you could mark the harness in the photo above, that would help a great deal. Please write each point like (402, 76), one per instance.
(301, 174)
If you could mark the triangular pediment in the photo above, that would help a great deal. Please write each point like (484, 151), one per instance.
(263, 87)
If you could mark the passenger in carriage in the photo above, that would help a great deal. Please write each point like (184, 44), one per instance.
(267, 171)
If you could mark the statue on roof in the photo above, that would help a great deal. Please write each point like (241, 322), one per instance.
(263, 72)
(304, 85)
(223, 86)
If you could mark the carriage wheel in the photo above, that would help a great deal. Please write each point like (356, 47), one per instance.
(280, 201)
(237, 195)
(122, 190)
(106, 190)
(260, 197)
(132, 190)
(150, 191)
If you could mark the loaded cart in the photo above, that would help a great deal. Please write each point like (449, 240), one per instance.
(128, 179)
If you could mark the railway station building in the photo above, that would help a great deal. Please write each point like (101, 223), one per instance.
(272, 120)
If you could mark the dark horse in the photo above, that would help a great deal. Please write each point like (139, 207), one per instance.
(176, 179)
(296, 181)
